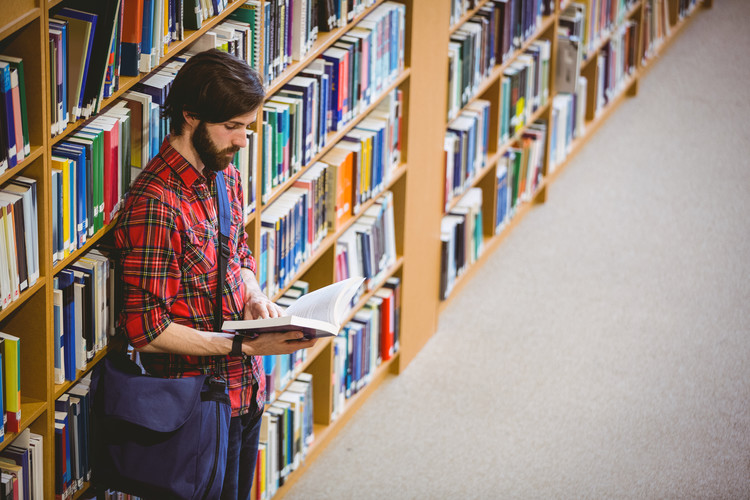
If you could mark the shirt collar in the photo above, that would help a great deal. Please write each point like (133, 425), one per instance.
(183, 168)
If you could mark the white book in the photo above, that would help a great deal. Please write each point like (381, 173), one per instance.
(317, 314)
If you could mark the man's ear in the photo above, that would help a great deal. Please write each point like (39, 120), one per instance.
(191, 119)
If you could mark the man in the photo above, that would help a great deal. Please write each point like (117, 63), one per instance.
(167, 238)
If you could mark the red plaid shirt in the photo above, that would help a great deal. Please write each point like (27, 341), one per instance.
(167, 235)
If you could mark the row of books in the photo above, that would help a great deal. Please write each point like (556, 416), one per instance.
(328, 194)
(368, 247)
(10, 385)
(490, 37)
(656, 26)
(524, 88)
(466, 147)
(286, 434)
(365, 342)
(461, 239)
(568, 122)
(94, 42)
(459, 8)
(72, 439)
(616, 62)
(600, 19)
(238, 34)
(22, 467)
(14, 120)
(19, 238)
(519, 172)
(330, 92)
(83, 313)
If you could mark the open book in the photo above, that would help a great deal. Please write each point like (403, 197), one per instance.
(316, 314)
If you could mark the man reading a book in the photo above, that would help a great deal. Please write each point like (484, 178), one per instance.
(167, 240)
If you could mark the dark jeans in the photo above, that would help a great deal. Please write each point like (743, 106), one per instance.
(244, 432)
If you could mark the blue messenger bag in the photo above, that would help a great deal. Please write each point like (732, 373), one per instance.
(162, 438)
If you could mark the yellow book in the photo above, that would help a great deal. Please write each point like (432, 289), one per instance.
(10, 247)
(68, 215)
(12, 381)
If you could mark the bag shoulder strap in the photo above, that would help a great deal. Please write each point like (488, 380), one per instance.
(225, 223)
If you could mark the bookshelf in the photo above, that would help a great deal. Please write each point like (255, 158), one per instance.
(417, 184)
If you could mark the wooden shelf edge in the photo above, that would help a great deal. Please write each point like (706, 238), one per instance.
(23, 298)
(31, 409)
(60, 389)
(36, 152)
(334, 138)
(20, 22)
(466, 17)
(90, 242)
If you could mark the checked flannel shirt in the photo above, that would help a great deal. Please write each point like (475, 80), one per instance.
(167, 241)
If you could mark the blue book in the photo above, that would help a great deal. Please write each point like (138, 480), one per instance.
(263, 262)
(147, 43)
(66, 13)
(7, 113)
(20, 456)
(81, 155)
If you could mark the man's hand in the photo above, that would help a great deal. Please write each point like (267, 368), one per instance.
(276, 343)
(257, 305)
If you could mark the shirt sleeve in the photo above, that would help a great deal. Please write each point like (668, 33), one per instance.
(149, 242)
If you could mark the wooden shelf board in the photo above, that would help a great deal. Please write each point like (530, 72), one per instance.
(90, 242)
(22, 298)
(36, 152)
(325, 40)
(324, 434)
(16, 24)
(61, 389)
(31, 409)
(334, 137)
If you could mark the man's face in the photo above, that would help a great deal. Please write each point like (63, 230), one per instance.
(217, 143)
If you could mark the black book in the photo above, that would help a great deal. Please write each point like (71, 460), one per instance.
(106, 11)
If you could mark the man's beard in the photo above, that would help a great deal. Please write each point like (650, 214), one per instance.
(213, 159)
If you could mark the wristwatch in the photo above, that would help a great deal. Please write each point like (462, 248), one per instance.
(237, 347)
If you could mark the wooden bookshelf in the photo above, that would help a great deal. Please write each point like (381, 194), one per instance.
(417, 185)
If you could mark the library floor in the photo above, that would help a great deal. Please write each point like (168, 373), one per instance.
(604, 350)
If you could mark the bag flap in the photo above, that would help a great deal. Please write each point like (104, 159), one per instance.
(159, 404)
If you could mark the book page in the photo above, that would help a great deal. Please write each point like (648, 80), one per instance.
(327, 304)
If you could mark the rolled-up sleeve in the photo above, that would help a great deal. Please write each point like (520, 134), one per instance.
(148, 242)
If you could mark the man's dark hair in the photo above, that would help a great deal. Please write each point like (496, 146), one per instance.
(215, 86)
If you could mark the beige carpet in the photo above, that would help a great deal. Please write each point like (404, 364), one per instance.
(604, 350)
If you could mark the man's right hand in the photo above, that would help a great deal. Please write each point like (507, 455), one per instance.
(276, 343)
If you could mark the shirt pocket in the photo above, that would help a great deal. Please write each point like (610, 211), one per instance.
(199, 252)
